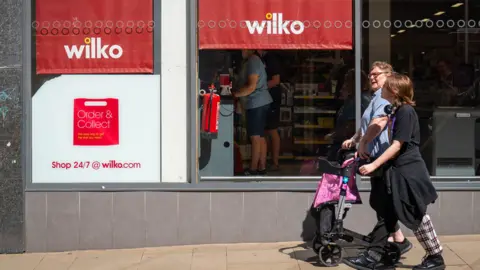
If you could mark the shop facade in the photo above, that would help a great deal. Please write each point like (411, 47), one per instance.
(102, 118)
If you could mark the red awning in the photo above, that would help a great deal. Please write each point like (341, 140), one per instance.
(275, 24)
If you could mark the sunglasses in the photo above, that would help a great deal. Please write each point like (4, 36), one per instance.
(376, 74)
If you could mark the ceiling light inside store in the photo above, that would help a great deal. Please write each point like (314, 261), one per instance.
(401, 31)
(457, 5)
(439, 13)
(426, 20)
(393, 35)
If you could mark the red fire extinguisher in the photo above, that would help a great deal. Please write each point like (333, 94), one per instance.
(211, 112)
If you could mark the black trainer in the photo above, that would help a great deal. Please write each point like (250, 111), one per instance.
(249, 173)
(404, 246)
(431, 262)
(366, 262)
(262, 172)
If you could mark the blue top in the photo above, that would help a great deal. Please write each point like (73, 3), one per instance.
(260, 96)
(376, 109)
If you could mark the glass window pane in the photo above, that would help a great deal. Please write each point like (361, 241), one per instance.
(436, 44)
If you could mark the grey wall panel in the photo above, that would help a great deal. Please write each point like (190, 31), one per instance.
(36, 221)
(162, 218)
(63, 221)
(129, 220)
(96, 220)
(66, 221)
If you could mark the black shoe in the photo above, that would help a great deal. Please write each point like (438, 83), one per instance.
(365, 262)
(431, 262)
(249, 173)
(404, 246)
(262, 172)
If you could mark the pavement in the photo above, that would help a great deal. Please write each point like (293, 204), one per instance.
(460, 252)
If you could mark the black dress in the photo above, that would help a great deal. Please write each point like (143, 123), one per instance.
(406, 176)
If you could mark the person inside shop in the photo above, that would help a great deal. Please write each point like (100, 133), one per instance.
(375, 145)
(272, 66)
(348, 58)
(255, 98)
(407, 189)
(445, 89)
(345, 121)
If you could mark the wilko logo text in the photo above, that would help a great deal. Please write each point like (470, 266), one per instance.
(275, 25)
(93, 49)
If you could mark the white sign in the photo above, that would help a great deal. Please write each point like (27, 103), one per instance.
(124, 150)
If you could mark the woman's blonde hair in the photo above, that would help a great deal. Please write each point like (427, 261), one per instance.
(402, 89)
(383, 66)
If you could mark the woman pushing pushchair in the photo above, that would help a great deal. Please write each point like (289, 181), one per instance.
(405, 190)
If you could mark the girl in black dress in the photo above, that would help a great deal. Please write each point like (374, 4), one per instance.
(407, 190)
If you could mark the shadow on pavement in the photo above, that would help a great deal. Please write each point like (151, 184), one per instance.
(302, 252)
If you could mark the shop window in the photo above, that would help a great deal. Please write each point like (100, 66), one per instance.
(312, 107)
(86, 125)
(436, 44)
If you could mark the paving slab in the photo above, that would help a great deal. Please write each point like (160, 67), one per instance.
(460, 252)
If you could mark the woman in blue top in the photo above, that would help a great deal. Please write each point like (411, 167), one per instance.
(256, 101)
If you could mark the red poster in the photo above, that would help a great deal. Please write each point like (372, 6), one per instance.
(275, 24)
(94, 36)
(95, 122)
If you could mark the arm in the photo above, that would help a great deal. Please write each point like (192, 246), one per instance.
(274, 81)
(374, 129)
(390, 153)
(253, 72)
(357, 137)
(249, 87)
(378, 122)
(402, 133)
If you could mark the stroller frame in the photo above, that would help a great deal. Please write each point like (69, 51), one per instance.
(329, 246)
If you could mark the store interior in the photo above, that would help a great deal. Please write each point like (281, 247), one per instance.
(312, 82)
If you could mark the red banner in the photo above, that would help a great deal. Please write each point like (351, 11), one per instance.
(95, 122)
(94, 36)
(275, 24)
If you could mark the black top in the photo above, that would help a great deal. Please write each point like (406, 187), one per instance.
(407, 130)
(412, 189)
(272, 66)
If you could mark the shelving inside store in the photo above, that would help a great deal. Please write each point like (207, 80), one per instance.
(308, 106)
(314, 108)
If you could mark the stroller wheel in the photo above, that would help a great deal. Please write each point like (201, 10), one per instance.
(330, 255)
(316, 245)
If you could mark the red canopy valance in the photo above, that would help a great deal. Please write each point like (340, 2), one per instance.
(275, 24)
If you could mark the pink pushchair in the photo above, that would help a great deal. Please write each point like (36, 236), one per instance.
(336, 193)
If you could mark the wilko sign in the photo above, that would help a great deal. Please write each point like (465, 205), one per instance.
(94, 37)
(273, 24)
(95, 122)
(93, 49)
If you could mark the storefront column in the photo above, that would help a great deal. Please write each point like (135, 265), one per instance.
(379, 38)
(174, 91)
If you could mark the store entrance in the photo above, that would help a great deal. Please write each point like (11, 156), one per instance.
(316, 111)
